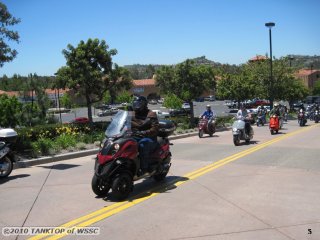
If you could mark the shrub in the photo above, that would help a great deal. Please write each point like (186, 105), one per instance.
(43, 146)
(64, 141)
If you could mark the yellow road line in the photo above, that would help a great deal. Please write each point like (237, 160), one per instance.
(113, 209)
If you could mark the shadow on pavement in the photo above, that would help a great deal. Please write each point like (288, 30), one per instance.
(148, 186)
(61, 166)
(4, 180)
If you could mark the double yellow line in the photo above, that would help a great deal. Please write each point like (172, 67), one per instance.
(113, 209)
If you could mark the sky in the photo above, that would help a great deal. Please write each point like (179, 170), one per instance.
(161, 31)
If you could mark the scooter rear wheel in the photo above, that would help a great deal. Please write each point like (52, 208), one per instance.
(161, 176)
(7, 167)
(99, 187)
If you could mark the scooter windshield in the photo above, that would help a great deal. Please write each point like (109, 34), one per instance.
(119, 125)
(238, 124)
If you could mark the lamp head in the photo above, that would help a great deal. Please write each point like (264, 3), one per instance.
(270, 25)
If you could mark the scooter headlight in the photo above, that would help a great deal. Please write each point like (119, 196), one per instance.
(115, 149)
(234, 129)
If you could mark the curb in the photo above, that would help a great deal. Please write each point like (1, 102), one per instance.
(24, 163)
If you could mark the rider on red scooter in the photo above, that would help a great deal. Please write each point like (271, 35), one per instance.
(145, 126)
(209, 114)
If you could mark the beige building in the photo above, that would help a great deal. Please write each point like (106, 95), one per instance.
(145, 87)
(309, 77)
(148, 89)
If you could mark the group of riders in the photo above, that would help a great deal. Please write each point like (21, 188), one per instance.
(146, 123)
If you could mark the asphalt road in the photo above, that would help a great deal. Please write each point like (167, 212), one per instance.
(268, 189)
(199, 107)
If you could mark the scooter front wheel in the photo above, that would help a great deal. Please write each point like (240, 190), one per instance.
(99, 187)
(122, 186)
(6, 167)
(236, 140)
(200, 133)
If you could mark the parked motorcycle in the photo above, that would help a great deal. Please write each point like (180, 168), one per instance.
(274, 124)
(7, 137)
(302, 120)
(242, 130)
(117, 163)
(205, 127)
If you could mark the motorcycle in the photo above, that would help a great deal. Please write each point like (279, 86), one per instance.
(274, 124)
(7, 138)
(316, 116)
(117, 164)
(239, 131)
(206, 128)
(261, 120)
(302, 120)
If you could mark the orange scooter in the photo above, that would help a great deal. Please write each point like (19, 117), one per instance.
(274, 124)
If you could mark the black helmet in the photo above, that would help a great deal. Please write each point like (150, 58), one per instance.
(139, 104)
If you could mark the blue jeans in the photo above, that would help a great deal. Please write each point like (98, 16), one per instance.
(146, 147)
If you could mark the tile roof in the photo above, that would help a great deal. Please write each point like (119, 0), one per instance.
(144, 82)
(258, 58)
(306, 72)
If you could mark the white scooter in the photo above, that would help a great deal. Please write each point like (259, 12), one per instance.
(7, 137)
(239, 130)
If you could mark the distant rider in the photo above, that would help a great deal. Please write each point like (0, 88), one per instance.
(244, 115)
(209, 115)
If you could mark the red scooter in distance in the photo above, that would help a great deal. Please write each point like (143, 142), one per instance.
(274, 124)
(204, 127)
(117, 164)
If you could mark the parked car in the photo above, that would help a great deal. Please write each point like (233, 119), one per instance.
(80, 120)
(161, 114)
(210, 98)
(199, 99)
(102, 106)
(179, 112)
(231, 104)
(108, 112)
(161, 101)
(186, 106)
(297, 105)
(153, 102)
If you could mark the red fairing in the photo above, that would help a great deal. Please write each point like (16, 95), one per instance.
(104, 158)
(274, 122)
(127, 150)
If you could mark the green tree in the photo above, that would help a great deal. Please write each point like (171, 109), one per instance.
(118, 79)
(124, 97)
(88, 70)
(186, 80)
(66, 101)
(172, 101)
(238, 87)
(295, 90)
(6, 19)
(10, 111)
(316, 89)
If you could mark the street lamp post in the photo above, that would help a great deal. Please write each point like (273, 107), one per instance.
(270, 25)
